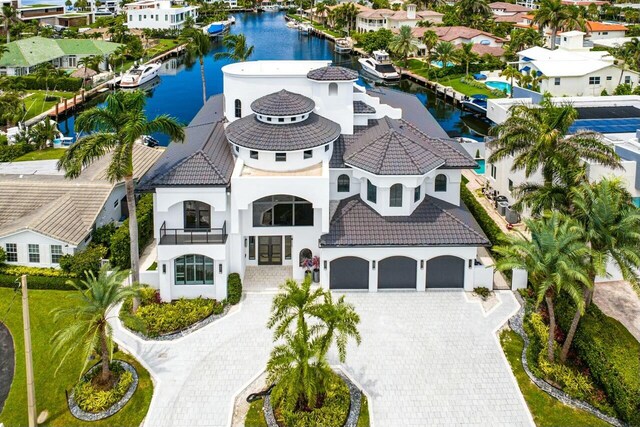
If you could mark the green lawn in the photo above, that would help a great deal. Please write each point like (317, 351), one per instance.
(420, 67)
(50, 389)
(319, 26)
(46, 154)
(163, 45)
(546, 410)
(35, 102)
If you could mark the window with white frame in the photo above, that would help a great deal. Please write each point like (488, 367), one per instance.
(56, 254)
(395, 196)
(34, 253)
(594, 80)
(11, 250)
(440, 183)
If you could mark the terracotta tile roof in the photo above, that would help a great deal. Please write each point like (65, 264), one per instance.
(508, 7)
(600, 26)
(453, 33)
(481, 49)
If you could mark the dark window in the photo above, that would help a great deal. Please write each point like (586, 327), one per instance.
(395, 196)
(282, 211)
(287, 247)
(194, 270)
(416, 194)
(268, 119)
(372, 192)
(281, 119)
(197, 215)
(12, 252)
(253, 154)
(293, 119)
(326, 147)
(556, 81)
(238, 108)
(594, 80)
(252, 247)
(34, 253)
(510, 185)
(308, 154)
(56, 254)
(608, 78)
(344, 184)
(281, 157)
(237, 149)
(441, 183)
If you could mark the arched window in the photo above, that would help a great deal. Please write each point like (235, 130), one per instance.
(305, 255)
(193, 270)
(344, 184)
(197, 215)
(282, 211)
(238, 105)
(395, 196)
(441, 183)
(333, 89)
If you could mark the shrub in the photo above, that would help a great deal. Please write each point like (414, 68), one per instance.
(120, 240)
(38, 282)
(488, 225)
(66, 84)
(92, 399)
(19, 270)
(9, 153)
(482, 292)
(88, 259)
(234, 289)
(3, 256)
(102, 235)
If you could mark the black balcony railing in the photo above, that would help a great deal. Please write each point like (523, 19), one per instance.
(193, 236)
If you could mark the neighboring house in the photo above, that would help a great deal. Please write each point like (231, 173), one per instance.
(573, 70)
(54, 14)
(535, 4)
(482, 41)
(295, 160)
(25, 54)
(374, 19)
(43, 215)
(508, 12)
(605, 30)
(158, 15)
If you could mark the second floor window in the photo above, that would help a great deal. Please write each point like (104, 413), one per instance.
(344, 183)
(238, 108)
(197, 215)
(372, 192)
(441, 183)
(395, 196)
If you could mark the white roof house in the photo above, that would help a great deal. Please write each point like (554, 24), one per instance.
(373, 19)
(161, 15)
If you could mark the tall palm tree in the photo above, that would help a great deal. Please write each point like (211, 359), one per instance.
(9, 14)
(612, 230)
(466, 56)
(3, 50)
(199, 44)
(86, 329)
(555, 258)
(402, 44)
(430, 40)
(115, 128)
(552, 14)
(445, 52)
(511, 73)
(237, 49)
(471, 10)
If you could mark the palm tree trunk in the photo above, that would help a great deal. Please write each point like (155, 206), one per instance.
(104, 356)
(572, 330)
(204, 84)
(133, 234)
(554, 32)
(552, 327)
(6, 29)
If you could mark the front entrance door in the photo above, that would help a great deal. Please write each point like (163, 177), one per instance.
(270, 250)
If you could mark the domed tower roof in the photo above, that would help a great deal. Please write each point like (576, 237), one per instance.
(332, 74)
(283, 103)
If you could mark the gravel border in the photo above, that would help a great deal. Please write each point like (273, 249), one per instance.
(516, 325)
(183, 332)
(89, 416)
(355, 395)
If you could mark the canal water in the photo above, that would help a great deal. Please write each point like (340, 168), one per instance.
(178, 91)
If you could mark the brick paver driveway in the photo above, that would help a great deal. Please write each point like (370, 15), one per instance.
(426, 359)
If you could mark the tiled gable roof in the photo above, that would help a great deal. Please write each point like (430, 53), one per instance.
(332, 73)
(361, 107)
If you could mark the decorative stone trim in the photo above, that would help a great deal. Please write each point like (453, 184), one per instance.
(183, 332)
(355, 397)
(516, 325)
(89, 416)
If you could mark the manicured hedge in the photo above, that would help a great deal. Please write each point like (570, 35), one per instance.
(37, 282)
(121, 241)
(65, 84)
(488, 225)
(234, 289)
(88, 259)
(9, 153)
(612, 355)
(19, 270)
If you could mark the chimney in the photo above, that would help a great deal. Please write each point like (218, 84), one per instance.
(411, 11)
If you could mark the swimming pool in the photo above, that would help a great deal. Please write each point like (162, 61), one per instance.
(495, 84)
(481, 167)
(439, 64)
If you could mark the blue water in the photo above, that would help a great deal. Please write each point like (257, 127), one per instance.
(481, 167)
(180, 95)
(495, 84)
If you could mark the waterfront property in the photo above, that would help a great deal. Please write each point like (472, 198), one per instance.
(374, 19)
(508, 12)
(24, 55)
(300, 172)
(44, 216)
(483, 42)
(159, 15)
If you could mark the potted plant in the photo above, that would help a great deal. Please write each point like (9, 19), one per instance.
(307, 264)
(315, 263)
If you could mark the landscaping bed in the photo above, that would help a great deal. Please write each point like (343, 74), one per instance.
(38, 278)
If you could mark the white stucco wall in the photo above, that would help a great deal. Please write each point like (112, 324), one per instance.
(23, 238)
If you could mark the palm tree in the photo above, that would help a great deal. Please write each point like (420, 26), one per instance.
(116, 127)
(473, 10)
(44, 72)
(43, 132)
(237, 49)
(11, 107)
(320, 11)
(402, 44)
(118, 56)
(9, 14)
(86, 329)
(445, 52)
(555, 260)
(199, 44)
(430, 40)
(466, 56)
(510, 73)
(552, 14)
(612, 230)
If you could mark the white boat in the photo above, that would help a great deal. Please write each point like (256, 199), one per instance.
(379, 66)
(304, 28)
(344, 45)
(270, 7)
(140, 74)
(292, 24)
(63, 141)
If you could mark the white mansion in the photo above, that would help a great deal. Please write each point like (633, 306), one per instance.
(295, 160)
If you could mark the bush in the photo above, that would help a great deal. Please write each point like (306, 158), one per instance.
(154, 319)
(91, 399)
(65, 84)
(9, 153)
(102, 235)
(120, 240)
(482, 292)
(611, 354)
(488, 225)
(333, 412)
(234, 289)
(38, 282)
(88, 259)
(3, 256)
(19, 270)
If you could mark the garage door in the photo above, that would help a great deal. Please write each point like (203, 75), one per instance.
(349, 273)
(397, 272)
(445, 272)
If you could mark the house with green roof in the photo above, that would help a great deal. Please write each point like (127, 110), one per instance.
(24, 55)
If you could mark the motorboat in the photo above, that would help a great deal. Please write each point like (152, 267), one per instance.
(379, 65)
(476, 104)
(270, 7)
(140, 74)
(292, 24)
(149, 141)
(217, 28)
(344, 45)
(304, 28)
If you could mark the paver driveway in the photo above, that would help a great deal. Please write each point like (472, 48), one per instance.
(425, 359)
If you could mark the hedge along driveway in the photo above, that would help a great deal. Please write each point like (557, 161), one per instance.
(50, 388)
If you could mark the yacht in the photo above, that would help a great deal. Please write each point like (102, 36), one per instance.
(304, 28)
(344, 45)
(379, 65)
(292, 24)
(477, 104)
(140, 74)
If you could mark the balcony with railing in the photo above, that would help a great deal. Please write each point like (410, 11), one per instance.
(193, 236)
